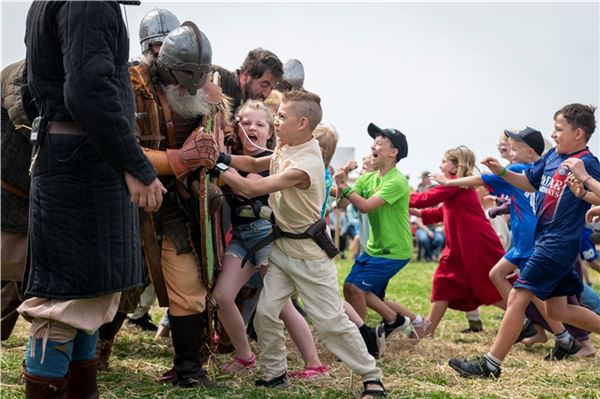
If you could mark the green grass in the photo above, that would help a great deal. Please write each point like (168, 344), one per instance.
(412, 369)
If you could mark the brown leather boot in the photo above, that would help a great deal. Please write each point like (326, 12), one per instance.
(81, 380)
(44, 388)
(106, 337)
(103, 351)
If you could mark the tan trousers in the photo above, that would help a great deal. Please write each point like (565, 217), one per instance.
(316, 283)
(59, 319)
(187, 293)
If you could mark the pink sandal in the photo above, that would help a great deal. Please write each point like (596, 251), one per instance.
(311, 373)
(234, 366)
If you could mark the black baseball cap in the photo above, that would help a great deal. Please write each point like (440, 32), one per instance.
(532, 137)
(397, 138)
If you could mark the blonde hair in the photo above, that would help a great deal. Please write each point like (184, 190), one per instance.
(464, 160)
(327, 136)
(252, 105)
(305, 105)
(272, 102)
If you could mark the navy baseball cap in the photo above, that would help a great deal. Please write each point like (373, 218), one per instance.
(532, 137)
(397, 138)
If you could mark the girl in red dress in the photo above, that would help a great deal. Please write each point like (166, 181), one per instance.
(461, 280)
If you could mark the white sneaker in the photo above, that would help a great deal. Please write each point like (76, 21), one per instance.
(418, 327)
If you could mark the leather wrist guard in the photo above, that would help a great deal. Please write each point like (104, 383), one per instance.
(199, 150)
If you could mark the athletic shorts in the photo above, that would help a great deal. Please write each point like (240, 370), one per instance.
(515, 260)
(371, 274)
(546, 278)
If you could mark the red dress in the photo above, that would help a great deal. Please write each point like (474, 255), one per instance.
(472, 247)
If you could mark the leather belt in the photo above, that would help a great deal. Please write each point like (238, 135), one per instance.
(14, 190)
(60, 127)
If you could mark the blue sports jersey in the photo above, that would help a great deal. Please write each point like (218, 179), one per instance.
(560, 215)
(588, 249)
(522, 210)
(328, 184)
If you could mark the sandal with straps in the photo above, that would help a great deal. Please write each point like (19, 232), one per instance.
(374, 393)
(311, 373)
(234, 366)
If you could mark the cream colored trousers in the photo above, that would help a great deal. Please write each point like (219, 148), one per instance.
(316, 283)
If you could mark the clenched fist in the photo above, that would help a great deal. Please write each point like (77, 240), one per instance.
(199, 150)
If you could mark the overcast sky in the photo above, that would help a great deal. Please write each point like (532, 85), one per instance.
(444, 74)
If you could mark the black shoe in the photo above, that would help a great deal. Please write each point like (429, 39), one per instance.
(559, 352)
(475, 326)
(374, 338)
(144, 322)
(527, 331)
(200, 380)
(280, 382)
(473, 368)
(400, 324)
(374, 393)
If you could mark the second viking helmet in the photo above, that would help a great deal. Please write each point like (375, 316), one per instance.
(155, 26)
(293, 73)
(185, 58)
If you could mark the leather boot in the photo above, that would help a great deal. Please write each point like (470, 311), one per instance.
(81, 380)
(10, 301)
(7, 324)
(44, 388)
(103, 351)
(187, 335)
(106, 337)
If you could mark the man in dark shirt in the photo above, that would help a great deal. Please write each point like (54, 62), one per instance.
(88, 178)
(255, 79)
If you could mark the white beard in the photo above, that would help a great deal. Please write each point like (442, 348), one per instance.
(185, 104)
(148, 58)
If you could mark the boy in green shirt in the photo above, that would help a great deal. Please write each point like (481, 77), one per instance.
(384, 195)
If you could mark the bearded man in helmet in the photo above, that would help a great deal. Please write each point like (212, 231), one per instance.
(176, 103)
(154, 28)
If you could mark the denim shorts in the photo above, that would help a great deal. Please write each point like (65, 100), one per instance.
(247, 236)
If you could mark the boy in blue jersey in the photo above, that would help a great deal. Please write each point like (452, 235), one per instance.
(526, 146)
(548, 274)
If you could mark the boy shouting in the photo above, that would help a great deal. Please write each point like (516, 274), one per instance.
(297, 190)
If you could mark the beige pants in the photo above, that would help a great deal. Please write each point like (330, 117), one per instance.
(316, 283)
(59, 319)
(187, 293)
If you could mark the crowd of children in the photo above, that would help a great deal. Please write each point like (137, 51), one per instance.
(533, 271)
(547, 196)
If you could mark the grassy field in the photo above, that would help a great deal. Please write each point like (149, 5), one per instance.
(412, 369)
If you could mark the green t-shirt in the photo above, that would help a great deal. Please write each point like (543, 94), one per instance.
(389, 235)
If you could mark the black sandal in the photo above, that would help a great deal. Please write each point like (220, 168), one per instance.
(280, 382)
(373, 392)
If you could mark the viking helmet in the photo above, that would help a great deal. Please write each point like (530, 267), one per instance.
(293, 73)
(185, 58)
(155, 27)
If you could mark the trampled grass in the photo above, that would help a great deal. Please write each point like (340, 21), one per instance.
(412, 369)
